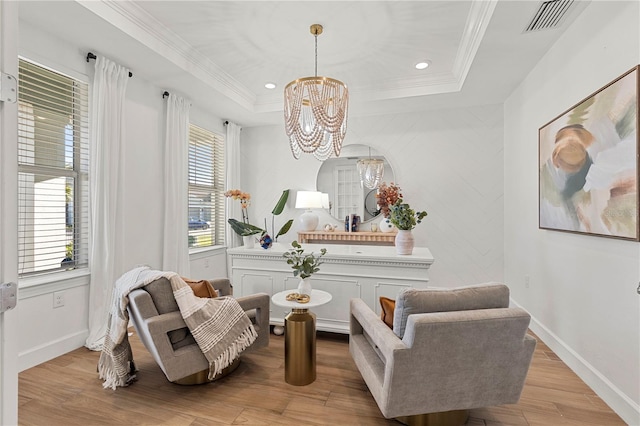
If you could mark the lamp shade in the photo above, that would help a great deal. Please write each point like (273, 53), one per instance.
(308, 200)
(325, 201)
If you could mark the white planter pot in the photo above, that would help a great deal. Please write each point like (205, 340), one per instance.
(304, 287)
(249, 241)
(404, 242)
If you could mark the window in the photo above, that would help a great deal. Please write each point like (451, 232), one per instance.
(53, 157)
(206, 188)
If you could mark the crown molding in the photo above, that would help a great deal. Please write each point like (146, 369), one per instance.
(475, 28)
(130, 18)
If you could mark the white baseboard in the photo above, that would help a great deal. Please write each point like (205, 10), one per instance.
(50, 350)
(619, 402)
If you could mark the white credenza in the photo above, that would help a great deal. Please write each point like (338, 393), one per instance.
(348, 271)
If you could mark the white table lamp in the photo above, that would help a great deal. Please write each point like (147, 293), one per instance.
(308, 221)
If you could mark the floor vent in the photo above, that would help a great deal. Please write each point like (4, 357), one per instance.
(549, 15)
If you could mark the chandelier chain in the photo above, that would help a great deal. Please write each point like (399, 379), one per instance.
(316, 60)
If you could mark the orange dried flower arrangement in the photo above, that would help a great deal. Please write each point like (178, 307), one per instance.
(387, 196)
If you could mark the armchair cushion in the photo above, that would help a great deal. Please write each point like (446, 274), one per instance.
(201, 288)
(420, 301)
(388, 307)
(162, 296)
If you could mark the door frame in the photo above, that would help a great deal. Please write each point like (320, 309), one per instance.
(9, 216)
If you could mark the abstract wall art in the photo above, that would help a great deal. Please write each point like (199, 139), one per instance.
(588, 164)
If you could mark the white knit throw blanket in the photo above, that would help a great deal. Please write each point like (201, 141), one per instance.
(220, 327)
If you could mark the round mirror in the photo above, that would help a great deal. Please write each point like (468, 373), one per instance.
(339, 178)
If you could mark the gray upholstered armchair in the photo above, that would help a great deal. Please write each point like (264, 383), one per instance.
(159, 324)
(450, 350)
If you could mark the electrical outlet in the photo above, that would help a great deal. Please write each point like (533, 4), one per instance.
(58, 299)
(527, 281)
(206, 263)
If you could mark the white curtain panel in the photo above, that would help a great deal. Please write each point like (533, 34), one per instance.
(232, 150)
(175, 253)
(105, 186)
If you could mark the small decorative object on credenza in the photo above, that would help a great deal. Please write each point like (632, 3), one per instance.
(352, 223)
(405, 219)
(385, 225)
(266, 241)
(303, 265)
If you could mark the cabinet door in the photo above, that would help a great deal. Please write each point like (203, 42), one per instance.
(246, 283)
(334, 316)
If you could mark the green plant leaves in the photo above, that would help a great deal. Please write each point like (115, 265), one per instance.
(244, 229)
(285, 228)
(404, 217)
(280, 205)
(302, 264)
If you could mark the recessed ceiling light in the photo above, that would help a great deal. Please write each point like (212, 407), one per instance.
(422, 65)
(270, 85)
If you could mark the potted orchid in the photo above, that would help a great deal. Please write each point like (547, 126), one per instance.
(248, 231)
(244, 228)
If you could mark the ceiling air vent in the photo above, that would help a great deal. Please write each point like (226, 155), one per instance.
(549, 15)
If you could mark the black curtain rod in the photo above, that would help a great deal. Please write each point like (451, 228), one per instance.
(91, 55)
(226, 123)
(165, 94)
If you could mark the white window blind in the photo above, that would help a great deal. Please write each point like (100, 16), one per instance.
(53, 162)
(206, 188)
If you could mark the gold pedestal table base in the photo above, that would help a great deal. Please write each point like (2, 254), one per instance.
(300, 336)
(300, 347)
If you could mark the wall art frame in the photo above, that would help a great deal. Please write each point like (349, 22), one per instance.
(588, 164)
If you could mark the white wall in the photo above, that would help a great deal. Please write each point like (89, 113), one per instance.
(582, 292)
(46, 332)
(448, 163)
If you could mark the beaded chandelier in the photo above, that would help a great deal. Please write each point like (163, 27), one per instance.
(371, 171)
(315, 112)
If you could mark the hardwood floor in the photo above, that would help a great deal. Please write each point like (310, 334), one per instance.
(67, 391)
